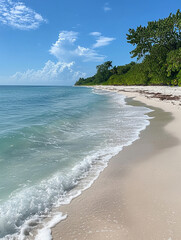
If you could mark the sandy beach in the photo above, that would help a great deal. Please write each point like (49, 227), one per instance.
(138, 196)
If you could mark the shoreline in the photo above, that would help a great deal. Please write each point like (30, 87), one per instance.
(108, 212)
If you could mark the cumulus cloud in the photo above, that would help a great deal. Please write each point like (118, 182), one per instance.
(70, 58)
(17, 15)
(66, 49)
(107, 7)
(51, 72)
(63, 48)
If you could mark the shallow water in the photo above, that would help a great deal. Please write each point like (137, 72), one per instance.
(51, 139)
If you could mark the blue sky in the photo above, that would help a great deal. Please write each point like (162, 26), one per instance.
(54, 42)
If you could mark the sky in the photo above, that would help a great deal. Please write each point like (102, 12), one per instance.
(55, 42)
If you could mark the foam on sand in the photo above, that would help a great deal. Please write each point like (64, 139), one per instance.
(45, 232)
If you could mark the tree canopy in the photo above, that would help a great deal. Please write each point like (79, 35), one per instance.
(158, 45)
(104, 71)
(164, 32)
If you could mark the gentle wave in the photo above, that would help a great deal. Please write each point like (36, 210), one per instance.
(31, 202)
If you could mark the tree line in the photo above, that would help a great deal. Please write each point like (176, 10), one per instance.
(158, 49)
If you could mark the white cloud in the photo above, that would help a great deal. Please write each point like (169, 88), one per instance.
(70, 58)
(96, 34)
(103, 41)
(88, 54)
(106, 7)
(50, 73)
(50, 70)
(17, 15)
(65, 49)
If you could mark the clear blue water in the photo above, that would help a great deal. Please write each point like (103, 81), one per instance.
(51, 138)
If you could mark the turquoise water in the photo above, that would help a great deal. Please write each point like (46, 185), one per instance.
(51, 139)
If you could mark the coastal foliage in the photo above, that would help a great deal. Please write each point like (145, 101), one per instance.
(158, 45)
(174, 66)
(164, 32)
(102, 75)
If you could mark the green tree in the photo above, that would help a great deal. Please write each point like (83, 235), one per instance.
(125, 68)
(174, 66)
(164, 32)
(154, 66)
(158, 45)
(114, 70)
(103, 72)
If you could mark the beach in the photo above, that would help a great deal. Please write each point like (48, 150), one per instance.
(138, 195)
(90, 136)
(55, 147)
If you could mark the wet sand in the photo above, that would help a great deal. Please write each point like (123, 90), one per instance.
(138, 196)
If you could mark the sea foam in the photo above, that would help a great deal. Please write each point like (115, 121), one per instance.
(84, 140)
(45, 232)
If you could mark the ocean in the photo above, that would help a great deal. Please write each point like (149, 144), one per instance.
(54, 142)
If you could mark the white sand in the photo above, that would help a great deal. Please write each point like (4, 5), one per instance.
(138, 196)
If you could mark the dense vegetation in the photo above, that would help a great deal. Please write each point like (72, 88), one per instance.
(157, 46)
